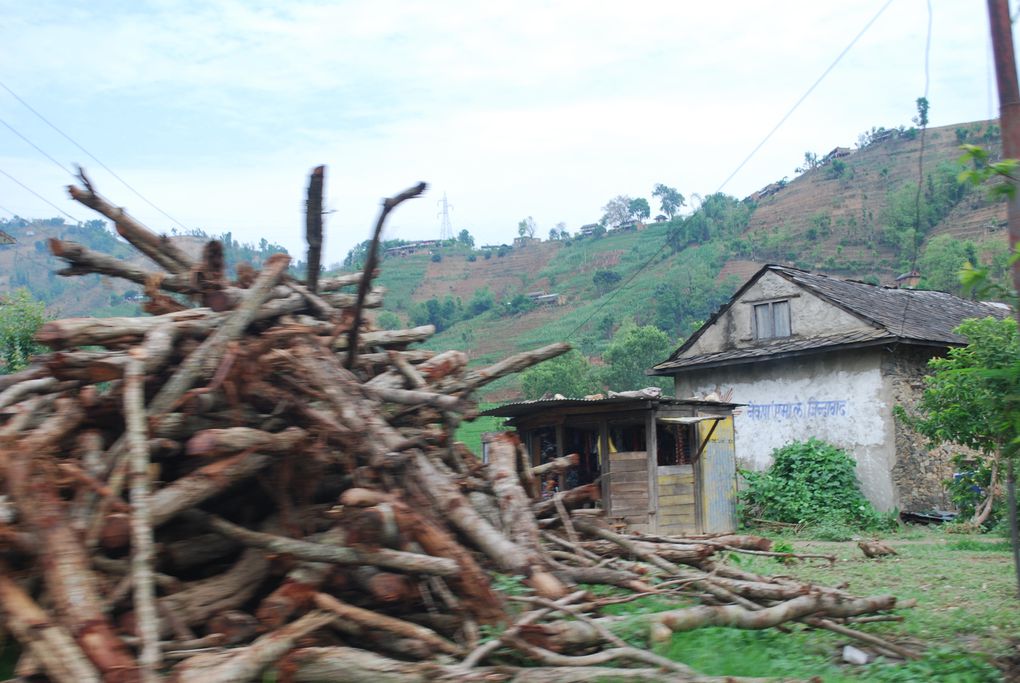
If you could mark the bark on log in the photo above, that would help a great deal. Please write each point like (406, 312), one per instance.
(203, 483)
(84, 261)
(571, 498)
(332, 284)
(374, 620)
(50, 644)
(556, 465)
(515, 363)
(313, 226)
(213, 442)
(387, 338)
(316, 552)
(159, 248)
(244, 664)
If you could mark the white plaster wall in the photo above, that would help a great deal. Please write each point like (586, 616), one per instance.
(836, 397)
(810, 316)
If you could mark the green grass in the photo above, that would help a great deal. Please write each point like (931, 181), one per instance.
(966, 614)
(470, 433)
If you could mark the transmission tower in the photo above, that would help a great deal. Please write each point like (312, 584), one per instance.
(445, 228)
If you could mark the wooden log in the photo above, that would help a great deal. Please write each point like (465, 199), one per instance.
(313, 226)
(371, 260)
(50, 644)
(203, 483)
(515, 363)
(44, 385)
(513, 502)
(245, 664)
(452, 505)
(205, 360)
(331, 284)
(159, 248)
(84, 261)
(413, 398)
(68, 332)
(374, 620)
(556, 465)
(387, 338)
(571, 498)
(144, 589)
(65, 566)
(214, 442)
(316, 552)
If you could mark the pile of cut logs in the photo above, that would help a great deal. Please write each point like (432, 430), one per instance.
(254, 484)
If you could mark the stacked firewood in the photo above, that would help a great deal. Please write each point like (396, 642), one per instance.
(253, 481)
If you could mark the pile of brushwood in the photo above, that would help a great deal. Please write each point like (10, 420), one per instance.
(253, 484)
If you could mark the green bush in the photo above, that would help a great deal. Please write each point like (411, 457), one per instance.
(810, 482)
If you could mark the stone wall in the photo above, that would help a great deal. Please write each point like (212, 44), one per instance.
(920, 471)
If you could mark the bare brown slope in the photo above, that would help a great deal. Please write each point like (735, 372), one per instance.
(853, 205)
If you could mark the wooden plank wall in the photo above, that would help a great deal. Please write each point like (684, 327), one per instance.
(676, 513)
(628, 488)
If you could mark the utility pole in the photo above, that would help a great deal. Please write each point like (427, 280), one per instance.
(1009, 123)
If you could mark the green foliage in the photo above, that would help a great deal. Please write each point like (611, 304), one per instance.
(604, 280)
(670, 200)
(969, 486)
(632, 351)
(481, 301)
(998, 175)
(809, 482)
(941, 261)
(909, 217)
(639, 208)
(20, 318)
(442, 314)
(436, 257)
(972, 397)
(972, 545)
(570, 375)
(838, 168)
(465, 238)
(719, 215)
(517, 305)
(389, 321)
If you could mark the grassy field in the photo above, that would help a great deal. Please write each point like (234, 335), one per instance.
(967, 618)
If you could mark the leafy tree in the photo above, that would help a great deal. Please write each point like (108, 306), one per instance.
(941, 261)
(970, 400)
(442, 314)
(20, 317)
(562, 227)
(810, 162)
(517, 305)
(388, 320)
(527, 226)
(922, 112)
(617, 211)
(569, 375)
(554, 234)
(605, 280)
(465, 238)
(719, 215)
(639, 208)
(481, 301)
(670, 200)
(632, 351)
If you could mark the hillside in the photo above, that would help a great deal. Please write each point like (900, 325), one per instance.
(859, 216)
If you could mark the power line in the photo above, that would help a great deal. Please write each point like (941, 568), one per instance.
(754, 151)
(90, 154)
(803, 97)
(36, 147)
(26, 187)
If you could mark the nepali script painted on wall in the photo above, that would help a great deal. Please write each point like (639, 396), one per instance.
(798, 410)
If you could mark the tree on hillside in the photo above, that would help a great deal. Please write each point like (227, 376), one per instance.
(670, 200)
(941, 261)
(569, 375)
(21, 316)
(465, 238)
(616, 212)
(810, 162)
(562, 227)
(527, 227)
(604, 280)
(632, 351)
(639, 208)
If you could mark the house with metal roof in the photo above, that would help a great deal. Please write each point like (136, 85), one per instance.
(657, 464)
(816, 356)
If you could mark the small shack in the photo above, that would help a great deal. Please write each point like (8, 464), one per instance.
(665, 465)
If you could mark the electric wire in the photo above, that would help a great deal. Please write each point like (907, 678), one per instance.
(36, 147)
(26, 187)
(754, 151)
(90, 155)
(803, 97)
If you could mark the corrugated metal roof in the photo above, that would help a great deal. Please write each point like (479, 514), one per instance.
(518, 408)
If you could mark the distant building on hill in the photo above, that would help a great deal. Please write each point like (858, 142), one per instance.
(412, 248)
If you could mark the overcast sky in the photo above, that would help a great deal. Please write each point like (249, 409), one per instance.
(217, 110)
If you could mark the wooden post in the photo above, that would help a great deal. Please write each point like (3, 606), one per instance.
(313, 226)
(1009, 122)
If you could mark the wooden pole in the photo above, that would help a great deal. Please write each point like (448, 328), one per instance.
(1009, 122)
(313, 226)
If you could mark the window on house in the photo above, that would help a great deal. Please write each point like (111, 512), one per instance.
(772, 320)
